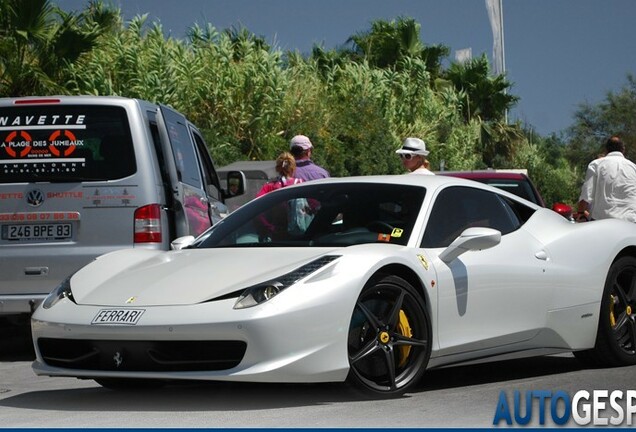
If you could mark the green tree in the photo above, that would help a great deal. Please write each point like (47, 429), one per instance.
(249, 98)
(38, 41)
(387, 43)
(551, 172)
(595, 123)
(486, 98)
(243, 41)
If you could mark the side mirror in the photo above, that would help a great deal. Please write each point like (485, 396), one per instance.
(563, 209)
(469, 240)
(236, 183)
(181, 242)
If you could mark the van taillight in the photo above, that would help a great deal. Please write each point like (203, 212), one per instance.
(148, 224)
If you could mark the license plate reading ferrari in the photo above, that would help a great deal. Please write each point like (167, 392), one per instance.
(37, 232)
(118, 316)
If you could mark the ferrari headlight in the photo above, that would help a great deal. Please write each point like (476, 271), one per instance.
(263, 292)
(63, 290)
(258, 294)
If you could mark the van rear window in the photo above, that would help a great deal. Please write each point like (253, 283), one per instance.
(65, 143)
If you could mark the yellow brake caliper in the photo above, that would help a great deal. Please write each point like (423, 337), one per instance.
(612, 317)
(405, 330)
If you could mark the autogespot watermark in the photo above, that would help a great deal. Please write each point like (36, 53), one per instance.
(584, 408)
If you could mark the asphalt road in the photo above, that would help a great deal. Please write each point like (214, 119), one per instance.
(455, 397)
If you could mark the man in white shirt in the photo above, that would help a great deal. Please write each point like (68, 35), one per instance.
(609, 190)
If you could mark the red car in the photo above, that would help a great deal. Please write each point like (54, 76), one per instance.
(513, 181)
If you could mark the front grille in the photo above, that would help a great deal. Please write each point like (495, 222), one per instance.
(147, 356)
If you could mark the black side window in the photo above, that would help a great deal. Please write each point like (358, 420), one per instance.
(210, 177)
(459, 208)
(521, 212)
(182, 148)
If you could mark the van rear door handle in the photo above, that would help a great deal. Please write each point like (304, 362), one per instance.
(36, 271)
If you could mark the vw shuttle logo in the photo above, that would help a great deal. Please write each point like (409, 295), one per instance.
(35, 197)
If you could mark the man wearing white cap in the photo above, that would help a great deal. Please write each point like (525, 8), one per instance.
(413, 154)
(300, 146)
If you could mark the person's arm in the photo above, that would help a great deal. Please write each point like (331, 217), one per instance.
(583, 211)
(587, 193)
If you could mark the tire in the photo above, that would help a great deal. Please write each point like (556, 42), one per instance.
(616, 336)
(389, 340)
(124, 384)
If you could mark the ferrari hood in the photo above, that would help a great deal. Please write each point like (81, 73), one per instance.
(188, 276)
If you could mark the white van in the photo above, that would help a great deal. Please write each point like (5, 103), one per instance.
(81, 176)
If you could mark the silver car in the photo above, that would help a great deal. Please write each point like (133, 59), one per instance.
(86, 175)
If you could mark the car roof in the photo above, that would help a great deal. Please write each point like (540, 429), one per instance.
(405, 179)
(487, 174)
(36, 101)
(431, 182)
(252, 169)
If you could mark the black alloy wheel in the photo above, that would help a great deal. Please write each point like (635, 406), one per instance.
(621, 306)
(616, 336)
(389, 338)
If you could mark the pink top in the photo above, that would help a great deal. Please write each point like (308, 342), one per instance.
(277, 184)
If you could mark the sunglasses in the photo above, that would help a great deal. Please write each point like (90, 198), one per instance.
(407, 156)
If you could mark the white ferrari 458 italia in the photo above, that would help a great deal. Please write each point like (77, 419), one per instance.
(369, 281)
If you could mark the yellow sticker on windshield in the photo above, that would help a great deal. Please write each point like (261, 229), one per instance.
(397, 232)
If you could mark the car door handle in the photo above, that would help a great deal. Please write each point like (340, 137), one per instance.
(542, 255)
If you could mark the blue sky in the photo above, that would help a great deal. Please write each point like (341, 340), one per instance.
(559, 53)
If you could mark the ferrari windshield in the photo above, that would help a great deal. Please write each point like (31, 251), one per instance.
(338, 214)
